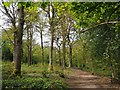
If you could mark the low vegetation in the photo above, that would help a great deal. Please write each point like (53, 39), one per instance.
(38, 77)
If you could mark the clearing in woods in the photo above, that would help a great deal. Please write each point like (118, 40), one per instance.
(82, 79)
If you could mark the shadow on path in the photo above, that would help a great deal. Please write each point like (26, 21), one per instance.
(82, 79)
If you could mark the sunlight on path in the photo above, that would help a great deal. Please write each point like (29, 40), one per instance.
(81, 79)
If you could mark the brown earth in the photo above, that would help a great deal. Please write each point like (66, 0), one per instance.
(82, 79)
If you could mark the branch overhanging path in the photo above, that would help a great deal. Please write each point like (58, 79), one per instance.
(99, 24)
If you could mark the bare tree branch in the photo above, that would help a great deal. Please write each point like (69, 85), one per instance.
(6, 10)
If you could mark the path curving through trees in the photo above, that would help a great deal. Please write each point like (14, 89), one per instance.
(82, 79)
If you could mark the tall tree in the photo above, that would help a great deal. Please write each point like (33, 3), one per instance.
(29, 44)
(17, 56)
(65, 20)
(41, 26)
(31, 19)
(51, 22)
(18, 32)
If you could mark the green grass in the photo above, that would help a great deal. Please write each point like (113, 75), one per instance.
(102, 72)
(34, 76)
(35, 68)
(99, 71)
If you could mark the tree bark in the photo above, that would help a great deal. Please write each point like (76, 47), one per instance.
(59, 53)
(70, 53)
(30, 48)
(17, 56)
(70, 49)
(64, 55)
(29, 45)
(51, 53)
(42, 47)
(51, 18)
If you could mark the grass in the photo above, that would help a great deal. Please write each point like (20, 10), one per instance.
(99, 71)
(102, 72)
(34, 76)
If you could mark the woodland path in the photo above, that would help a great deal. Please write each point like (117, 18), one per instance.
(82, 79)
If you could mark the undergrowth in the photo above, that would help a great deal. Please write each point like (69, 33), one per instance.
(35, 76)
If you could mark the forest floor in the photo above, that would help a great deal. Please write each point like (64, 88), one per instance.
(82, 79)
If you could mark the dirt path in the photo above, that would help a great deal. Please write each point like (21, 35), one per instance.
(81, 79)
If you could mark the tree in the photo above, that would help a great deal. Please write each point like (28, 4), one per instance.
(17, 30)
(66, 21)
(71, 36)
(58, 42)
(41, 37)
(18, 42)
(30, 22)
(51, 22)
(42, 25)
(18, 33)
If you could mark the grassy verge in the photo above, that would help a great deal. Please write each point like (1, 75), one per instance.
(98, 71)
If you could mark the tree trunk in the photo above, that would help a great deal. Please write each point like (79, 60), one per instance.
(70, 50)
(17, 56)
(59, 53)
(30, 48)
(51, 54)
(51, 18)
(64, 51)
(42, 47)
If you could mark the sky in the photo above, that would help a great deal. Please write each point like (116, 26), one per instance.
(36, 36)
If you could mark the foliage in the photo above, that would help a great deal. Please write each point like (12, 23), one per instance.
(99, 45)
(34, 83)
(7, 45)
(32, 77)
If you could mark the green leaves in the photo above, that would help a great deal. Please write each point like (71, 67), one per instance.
(31, 5)
(7, 4)
(43, 5)
(37, 83)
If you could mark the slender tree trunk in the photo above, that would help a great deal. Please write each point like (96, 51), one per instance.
(64, 55)
(29, 46)
(70, 55)
(30, 50)
(51, 22)
(70, 49)
(42, 47)
(17, 56)
(59, 53)
(51, 53)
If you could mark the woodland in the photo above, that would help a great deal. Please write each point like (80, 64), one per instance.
(54, 45)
